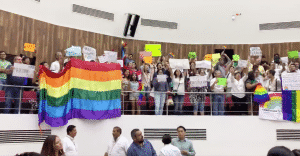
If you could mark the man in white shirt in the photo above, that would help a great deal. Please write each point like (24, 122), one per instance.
(69, 146)
(169, 149)
(119, 145)
(55, 66)
(218, 99)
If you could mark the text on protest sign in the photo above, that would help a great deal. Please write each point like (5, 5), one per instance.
(198, 81)
(89, 53)
(255, 51)
(290, 81)
(242, 63)
(111, 56)
(179, 63)
(203, 64)
(23, 70)
(161, 78)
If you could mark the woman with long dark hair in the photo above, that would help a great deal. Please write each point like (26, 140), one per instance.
(251, 84)
(178, 89)
(52, 146)
(125, 87)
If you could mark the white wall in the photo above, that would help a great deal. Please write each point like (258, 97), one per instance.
(226, 135)
(200, 21)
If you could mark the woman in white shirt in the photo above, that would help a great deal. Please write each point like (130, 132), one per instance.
(238, 86)
(179, 88)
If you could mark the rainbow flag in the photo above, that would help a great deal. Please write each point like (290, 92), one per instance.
(260, 94)
(141, 88)
(291, 105)
(85, 90)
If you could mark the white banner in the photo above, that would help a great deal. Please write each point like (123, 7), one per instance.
(203, 64)
(111, 56)
(89, 53)
(255, 51)
(102, 59)
(272, 109)
(179, 63)
(161, 78)
(23, 70)
(284, 60)
(120, 62)
(198, 81)
(242, 63)
(290, 81)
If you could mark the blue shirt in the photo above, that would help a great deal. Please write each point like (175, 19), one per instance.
(14, 80)
(146, 150)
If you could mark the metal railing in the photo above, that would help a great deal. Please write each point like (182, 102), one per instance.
(126, 103)
(248, 101)
(10, 95)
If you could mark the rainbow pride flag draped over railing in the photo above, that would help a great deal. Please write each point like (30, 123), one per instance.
(291, 105)
(85, 90)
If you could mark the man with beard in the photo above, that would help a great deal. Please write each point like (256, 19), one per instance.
(140, 147)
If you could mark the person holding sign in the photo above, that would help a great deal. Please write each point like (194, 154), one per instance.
(197, 99)
(134, 95)
(13, 92)
(218, 99)
(146, 80)
(224, 62)
(238, 86)
(160, 84)
(178, 89)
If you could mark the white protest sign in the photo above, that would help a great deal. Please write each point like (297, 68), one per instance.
(120, 62)
(203, 64)
(111, 56)
(23, 70)
(161, 78)
(179, 63)
(242, 63)
(89, 53)
(290, 81)
(255, 51)
(198, 81)
(284, 60)
(73, 51)
(102, 59)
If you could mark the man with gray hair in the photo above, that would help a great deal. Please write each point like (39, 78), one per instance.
(56, 65)
(119, 145)
(140, 147)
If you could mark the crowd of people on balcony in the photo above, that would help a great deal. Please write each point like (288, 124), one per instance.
(174, 89)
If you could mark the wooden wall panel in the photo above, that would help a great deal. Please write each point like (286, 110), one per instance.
(15, 30)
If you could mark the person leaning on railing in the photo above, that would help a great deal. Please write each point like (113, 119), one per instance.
(125, 87)
(14, 92)
(3, 71)
(238, 86)
(251, 84)
(159, 97)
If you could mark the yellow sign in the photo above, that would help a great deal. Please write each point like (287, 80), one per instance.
(29, 47)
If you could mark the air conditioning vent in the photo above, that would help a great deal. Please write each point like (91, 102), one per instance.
(160, 24)
(281, 25)
(288, 134)
(93, 12)
(23, 136)
(192, 134)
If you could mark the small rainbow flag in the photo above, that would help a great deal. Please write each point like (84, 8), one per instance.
(291, 105)
(141, 88)
(171, 55)
(260, 94)
(85, 90)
